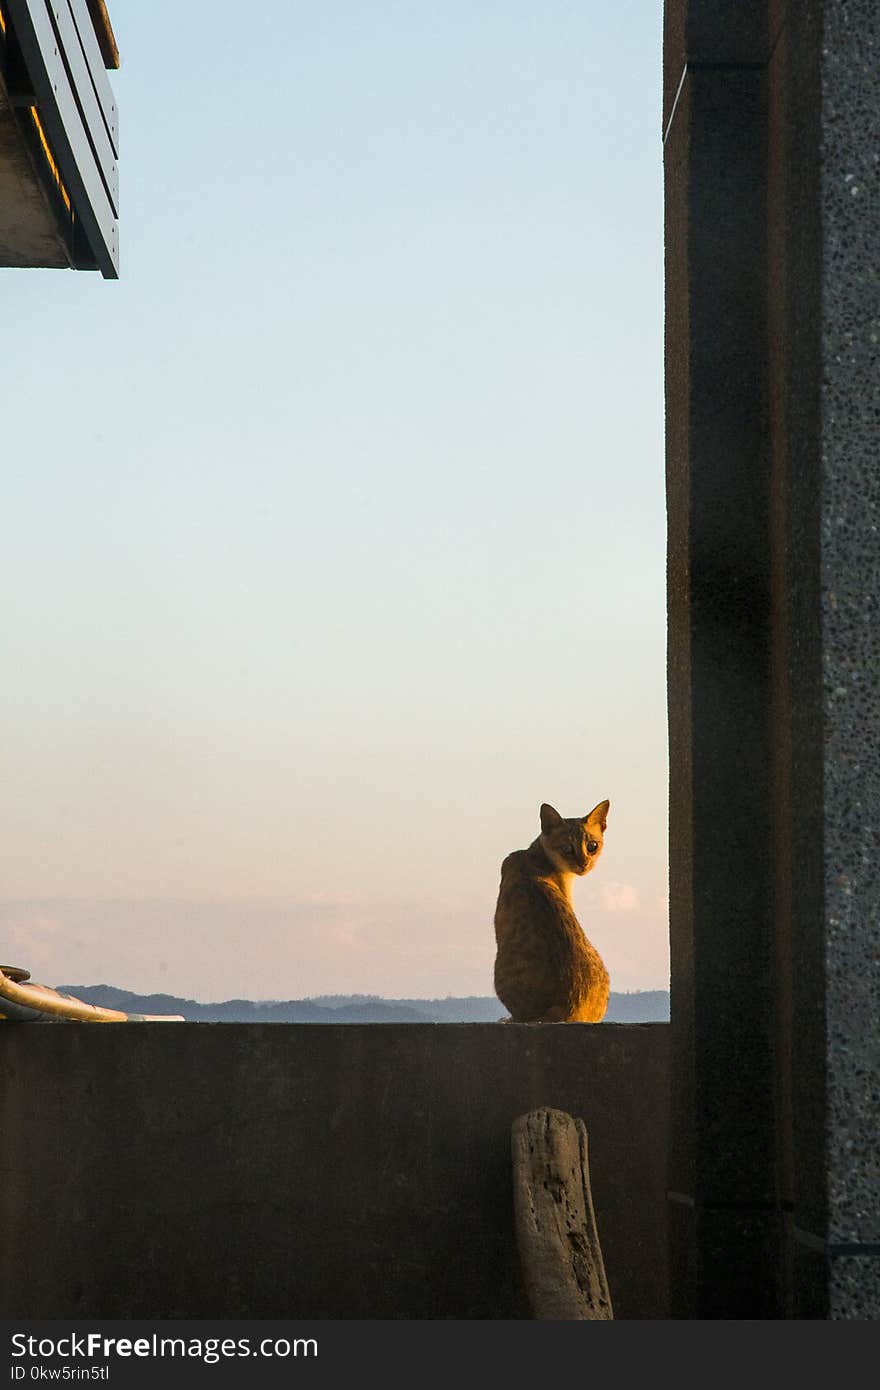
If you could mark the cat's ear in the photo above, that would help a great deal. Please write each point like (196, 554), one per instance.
(549, 817)
(598, 815)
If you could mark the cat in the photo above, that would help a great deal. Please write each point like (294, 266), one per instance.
(546, 971)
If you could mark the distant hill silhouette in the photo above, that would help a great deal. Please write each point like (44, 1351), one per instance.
(643, 1006)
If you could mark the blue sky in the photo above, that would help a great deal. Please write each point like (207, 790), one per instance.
(335, 529)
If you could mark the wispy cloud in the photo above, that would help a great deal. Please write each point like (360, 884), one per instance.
(619, 897)
(32, 940)
(337, 897)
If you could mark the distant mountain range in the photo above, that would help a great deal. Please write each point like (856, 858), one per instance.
(643, 1006)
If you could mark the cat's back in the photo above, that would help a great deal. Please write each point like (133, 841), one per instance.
(524, 890)
(516, 868)
(534, 931)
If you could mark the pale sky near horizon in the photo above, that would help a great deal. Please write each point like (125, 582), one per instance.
(333, 533)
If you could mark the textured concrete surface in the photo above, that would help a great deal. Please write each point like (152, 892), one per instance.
(794, 317)
(855, 1288)
(719, 641)
(773, 251)
(851, 608)
(341, 1171)
(722, 1162)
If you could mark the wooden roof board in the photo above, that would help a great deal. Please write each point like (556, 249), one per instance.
(104, 33)
(62, 120)
(93, 116)
(77, 12)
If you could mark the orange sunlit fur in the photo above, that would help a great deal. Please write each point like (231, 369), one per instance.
(546, 971)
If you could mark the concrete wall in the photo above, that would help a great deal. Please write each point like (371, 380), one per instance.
(335, 1171)
(772, 127)
(723, 1181)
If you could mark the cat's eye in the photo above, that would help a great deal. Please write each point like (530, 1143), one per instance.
(592, 846)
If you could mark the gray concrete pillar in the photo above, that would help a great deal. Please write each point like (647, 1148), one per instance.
(772, 143)
(850, 619)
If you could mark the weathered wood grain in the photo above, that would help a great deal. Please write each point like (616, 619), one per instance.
(556, 1231)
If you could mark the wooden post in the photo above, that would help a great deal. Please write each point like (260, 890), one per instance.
(556, 1231)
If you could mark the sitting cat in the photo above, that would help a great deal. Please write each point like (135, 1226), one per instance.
(546, 971)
